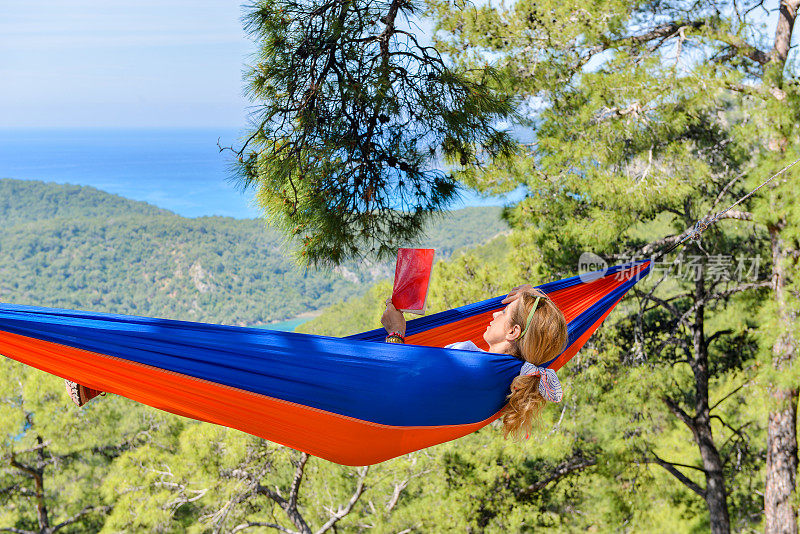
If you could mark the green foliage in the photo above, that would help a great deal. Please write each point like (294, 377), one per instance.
(191, 477)
(27, 201)
(70, 448)
(647, 117)
(612, 421)
(352, 116)
(117, 466)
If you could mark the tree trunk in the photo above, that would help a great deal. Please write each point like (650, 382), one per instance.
(37, 474)
(779, 511)
(715, 493)
(780, 515)
(787, 13)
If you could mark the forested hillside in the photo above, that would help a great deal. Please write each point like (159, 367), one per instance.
(145, 470)
(76, 247)
(23, 201)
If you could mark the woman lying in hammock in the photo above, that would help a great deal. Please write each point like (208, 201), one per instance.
(531, 328)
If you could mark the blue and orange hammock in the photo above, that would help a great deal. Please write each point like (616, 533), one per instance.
(354, 400)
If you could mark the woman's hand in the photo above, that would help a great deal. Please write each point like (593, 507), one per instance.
(524, 288)
(392, 319)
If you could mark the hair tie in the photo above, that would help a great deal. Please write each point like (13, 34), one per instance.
(549, 385)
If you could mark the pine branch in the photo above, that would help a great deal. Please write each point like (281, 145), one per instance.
(682, 320)
(351, 122)
(399, 487)
(10, 488)
(574, 464)
(298, 478)
(658, 244)
(680, 476)
(763, 91)
(745, 49)
(738, 289)
(292, 512)
(687, 466)
(38, 480)
(250, 524)
(218, 517)
(342, 512)
(724, 190)
(34, 473)
(37, 447)
(663, 32)
(735, 433)
(783, 31)
(735, 214)
(664, 303)
(710, 339)
(398, 490)
(76, 517)
(289, 506)
(657, 304)
(680, 414)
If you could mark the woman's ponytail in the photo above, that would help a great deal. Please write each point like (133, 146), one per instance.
(542, 341)
(524, 406)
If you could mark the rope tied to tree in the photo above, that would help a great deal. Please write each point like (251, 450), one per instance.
(699, 227)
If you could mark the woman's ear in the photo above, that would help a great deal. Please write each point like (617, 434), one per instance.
(514, 333)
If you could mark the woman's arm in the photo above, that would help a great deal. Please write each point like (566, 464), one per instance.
(394, 323)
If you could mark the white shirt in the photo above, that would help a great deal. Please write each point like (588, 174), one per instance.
(469, 345)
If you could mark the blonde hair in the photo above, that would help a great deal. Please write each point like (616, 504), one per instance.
(545, 338)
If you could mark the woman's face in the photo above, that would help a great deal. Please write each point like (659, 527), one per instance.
(501, 325)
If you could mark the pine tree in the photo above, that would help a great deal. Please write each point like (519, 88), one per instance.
(352, 117)
(54, 457)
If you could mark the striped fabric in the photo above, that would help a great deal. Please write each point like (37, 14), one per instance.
(549, 385)
(351, 400)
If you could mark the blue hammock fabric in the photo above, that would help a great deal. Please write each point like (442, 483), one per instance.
(351, 400)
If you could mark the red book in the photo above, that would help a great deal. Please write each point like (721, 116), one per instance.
(412, 276)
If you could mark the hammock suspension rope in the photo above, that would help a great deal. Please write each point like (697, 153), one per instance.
(703, 224)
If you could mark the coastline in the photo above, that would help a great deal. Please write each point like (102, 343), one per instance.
(308, 315)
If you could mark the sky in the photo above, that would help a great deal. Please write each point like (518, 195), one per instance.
(127, 63)
(143, 63)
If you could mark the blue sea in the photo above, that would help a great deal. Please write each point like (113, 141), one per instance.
(181, 170)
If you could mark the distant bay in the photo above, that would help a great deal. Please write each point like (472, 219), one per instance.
(290, 324)
(181, 170)
(285, 326)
